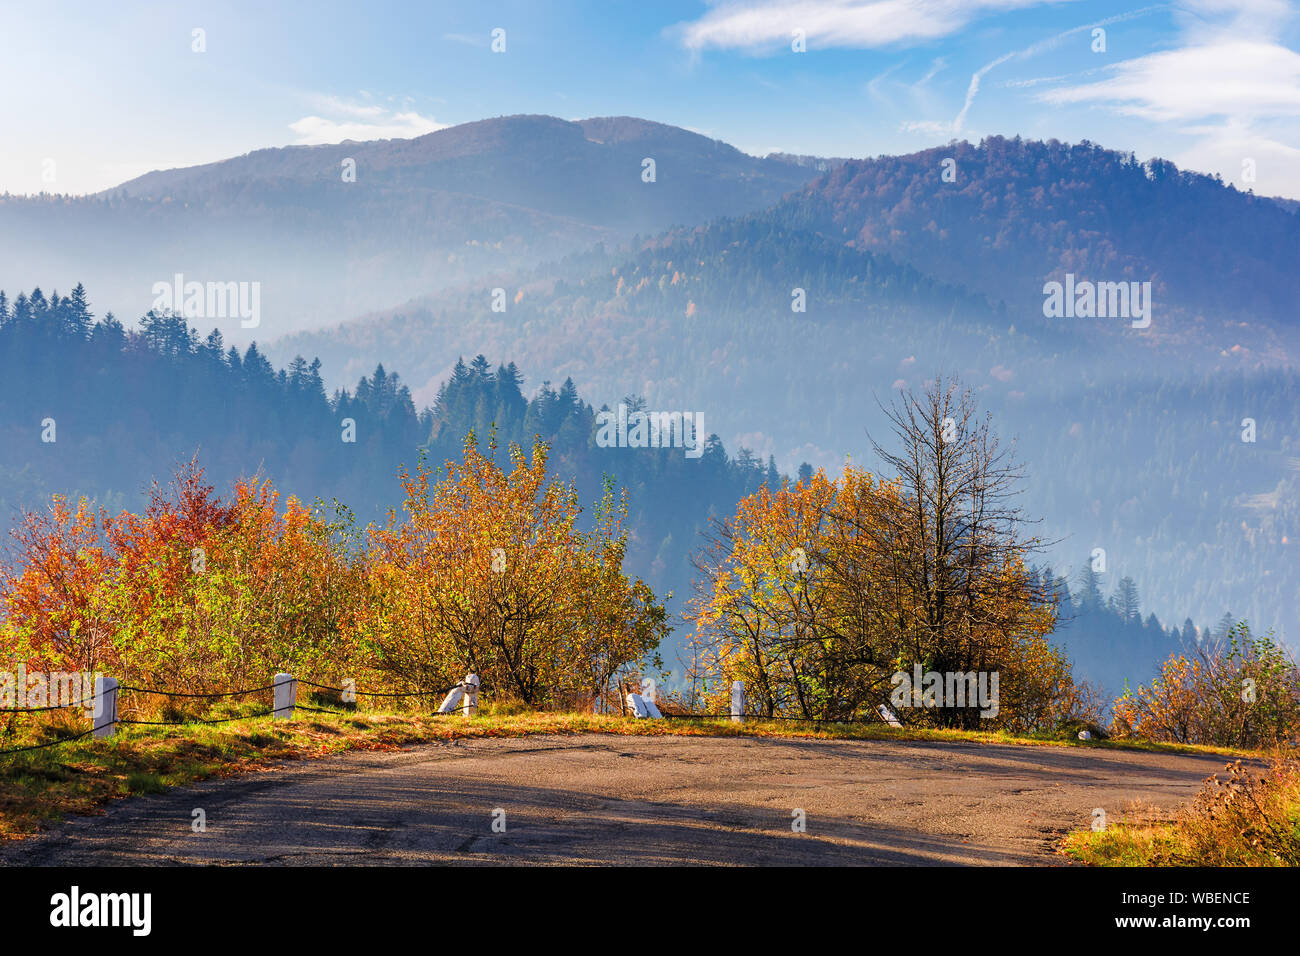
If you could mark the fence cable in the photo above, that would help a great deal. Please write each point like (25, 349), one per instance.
(375, 693)
(39, 710)
(182, 723)
(213, 696)
(51, 743)
(177, 693)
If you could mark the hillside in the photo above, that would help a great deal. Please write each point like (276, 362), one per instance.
(589, 171)
(1020, 213)
(457, 204)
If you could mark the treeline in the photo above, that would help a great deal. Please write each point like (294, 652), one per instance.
(1108, 638)
(1219, 684)
(90, 407)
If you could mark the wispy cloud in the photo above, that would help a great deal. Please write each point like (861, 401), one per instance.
(936, 67)
(873, 87)
(759, 26)
(889, 89)
(957, 126)
(973, 89)
(928, 127)
(337, 105)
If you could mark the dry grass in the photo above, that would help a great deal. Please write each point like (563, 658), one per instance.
(1250, 818)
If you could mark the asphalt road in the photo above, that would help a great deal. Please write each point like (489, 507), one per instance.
(599, 799)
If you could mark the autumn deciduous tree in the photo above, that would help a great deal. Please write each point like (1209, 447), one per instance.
(52, 610)
(964, 597)
(195, 594)
(217, 594)
(1237, 690)
(786, 605)
(817, 595)
(488, 572)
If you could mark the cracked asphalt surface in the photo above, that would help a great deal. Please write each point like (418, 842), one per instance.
(601, 799)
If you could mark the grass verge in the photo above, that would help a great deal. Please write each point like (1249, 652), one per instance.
(75, 778)
(1249, 818)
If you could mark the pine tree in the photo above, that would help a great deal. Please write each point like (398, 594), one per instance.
(78, 315)
(1126, 594)
(1090, 598)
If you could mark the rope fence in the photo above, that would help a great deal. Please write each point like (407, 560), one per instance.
(52, 743)
(177, 693)
(105, 719)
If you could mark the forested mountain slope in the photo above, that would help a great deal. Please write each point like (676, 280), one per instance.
(331, 231)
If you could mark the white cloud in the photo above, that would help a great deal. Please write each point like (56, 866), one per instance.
(1042, 46)
(334, 104)
(958, 125)
(873, 87)
(1033, 81)
(860, 24)
(467, 39)
(1231, 78)
(1243, 18)
(1232, 85)
(929, 127)
(935, 68)
(362, 123)
(1226, 149)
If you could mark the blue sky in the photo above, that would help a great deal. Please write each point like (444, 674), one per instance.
(96, 94)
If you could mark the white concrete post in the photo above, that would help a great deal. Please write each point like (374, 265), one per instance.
(649, 697)
(103, 711)
(638, 705)
(737, 702)
(286, 695)
(471, 695)
(452, 699)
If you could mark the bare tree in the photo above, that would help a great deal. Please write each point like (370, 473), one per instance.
(954, 541)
